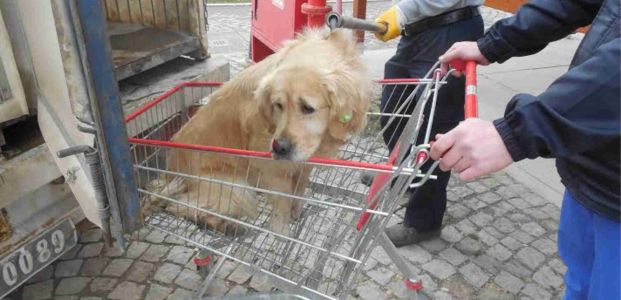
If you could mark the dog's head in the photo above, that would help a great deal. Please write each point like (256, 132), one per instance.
(311, 109)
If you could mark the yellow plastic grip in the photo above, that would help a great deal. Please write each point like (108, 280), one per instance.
(390, 18)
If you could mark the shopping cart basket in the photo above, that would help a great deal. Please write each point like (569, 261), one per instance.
(342, 220)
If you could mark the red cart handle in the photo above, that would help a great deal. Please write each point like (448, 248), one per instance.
(470, 70)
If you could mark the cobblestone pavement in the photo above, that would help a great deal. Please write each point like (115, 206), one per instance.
(498, 241)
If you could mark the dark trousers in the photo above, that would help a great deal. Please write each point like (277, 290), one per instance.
(414, 58)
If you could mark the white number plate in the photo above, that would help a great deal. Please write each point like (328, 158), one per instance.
(26, 261)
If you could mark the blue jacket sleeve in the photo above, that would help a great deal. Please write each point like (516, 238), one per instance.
(579, 112)
(535, 24)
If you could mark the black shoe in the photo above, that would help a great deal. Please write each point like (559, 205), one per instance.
(402, 235)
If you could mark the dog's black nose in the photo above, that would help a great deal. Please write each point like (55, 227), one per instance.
(281, 147)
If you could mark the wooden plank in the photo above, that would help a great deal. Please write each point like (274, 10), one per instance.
(135, 12)
(360, 11)
(184, 15)
(159, 11)
(172, 16)
(148, 17)
(124, 14)
(511, 6)
(112, 12)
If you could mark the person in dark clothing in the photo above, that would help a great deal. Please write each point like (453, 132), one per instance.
(427, 28)
(576, 121)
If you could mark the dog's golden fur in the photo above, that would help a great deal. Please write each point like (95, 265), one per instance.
(314, 92)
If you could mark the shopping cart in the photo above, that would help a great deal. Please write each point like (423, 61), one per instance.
(343, 220)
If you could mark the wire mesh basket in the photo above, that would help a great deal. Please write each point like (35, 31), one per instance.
(341, 219)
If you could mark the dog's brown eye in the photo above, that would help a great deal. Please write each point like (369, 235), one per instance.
(306, 109)
(277, 105)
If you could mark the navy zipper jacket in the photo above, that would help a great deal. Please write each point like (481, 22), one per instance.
(577, 119)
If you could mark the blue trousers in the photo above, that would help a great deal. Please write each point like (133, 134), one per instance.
(588, 243)
(414, 57)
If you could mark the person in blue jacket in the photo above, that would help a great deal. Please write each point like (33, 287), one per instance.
(576, 120)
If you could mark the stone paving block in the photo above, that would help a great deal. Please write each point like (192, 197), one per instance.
(466, 227)
(516, 268)
(94, 266)
(547, 278)
(487, 238)
(519, 218)
(536, 213)
(429, 283)
(380, 255)
(415, 254)
(434, 245)
(91, 235)
(530, 257)
(489, 197)
(553, 237)
(45, 274)
(469, 246)
(458, 211)
(494, 232)
(136, 248)
(398, 289)
(102, 284)
(71, 285)
(127, 291)
(453, 256)
(509, 282)
(238, 290)
(182, 294)
(66, 297)
(260, 282)
(381, 275)
(450, 234)
(241, 274)
(536, 292)
(462, 191)
(226, 269)
(474, 204)
(533, 229)
(511, 243)
(474, 275)
(155, 253)
(113, 252)
(503, 225)
(140, 271)
(458, 287)
(452, 197)
(487, 262)
(522, 236)
(519, 203)
(439, 268)
(189, 280)
(510, 191)
(37, 291)
(158, 292)
(180, 255)
(551, 210)
(91, 250)
(218, 288)
(90, 298)
(174, 240)
(369, 264)
(167, 272)
(442, 295)
(546, 246)
(481, 219)
(550, 225)
(117, 267)
(71, 253)
(477, 187)
(369, 291)
(558, 266)
(490, 182)
(156, 237)
(501, 208)
(499, 252)
(492, 291)
(534, 199)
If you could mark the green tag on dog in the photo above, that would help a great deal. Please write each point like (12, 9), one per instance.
(346, 118)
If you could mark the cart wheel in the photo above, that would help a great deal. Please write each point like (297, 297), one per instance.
(204, 264)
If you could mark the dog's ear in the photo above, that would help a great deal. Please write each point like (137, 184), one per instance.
(349, 94)
(263, 100)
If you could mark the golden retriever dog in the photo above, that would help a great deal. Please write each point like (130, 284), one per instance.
(305, 100)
